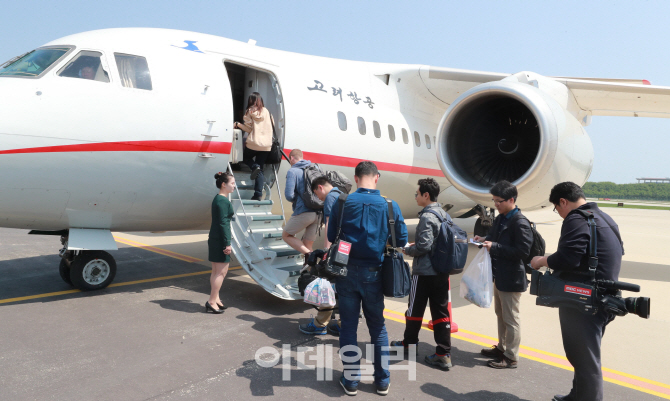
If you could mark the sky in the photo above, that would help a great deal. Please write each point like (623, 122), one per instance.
(607, 39)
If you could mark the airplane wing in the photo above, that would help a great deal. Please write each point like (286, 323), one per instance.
(600, 96)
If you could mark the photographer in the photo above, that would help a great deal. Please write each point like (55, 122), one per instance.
(582, 332)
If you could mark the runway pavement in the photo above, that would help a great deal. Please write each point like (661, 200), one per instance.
(146, 336)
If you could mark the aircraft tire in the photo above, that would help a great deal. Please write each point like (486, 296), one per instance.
(479, 229)
(92, 270)
(64, 271)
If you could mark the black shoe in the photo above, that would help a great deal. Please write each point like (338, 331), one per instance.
(255, 172)
(406, 348)
(562, 398)
(333, 328)
(256, 197)
(383, 390)
(493, 352)
(221, 306)
(348, 388)
(210, 308)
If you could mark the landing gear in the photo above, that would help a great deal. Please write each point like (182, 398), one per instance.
(92, 270)
(86, 270)
(485, 220)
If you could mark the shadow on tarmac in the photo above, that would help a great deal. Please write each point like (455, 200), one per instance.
(440, 391)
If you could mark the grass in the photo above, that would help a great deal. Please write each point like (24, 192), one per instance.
(633, 206)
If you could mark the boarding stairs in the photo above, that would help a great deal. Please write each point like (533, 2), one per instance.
(257, 237)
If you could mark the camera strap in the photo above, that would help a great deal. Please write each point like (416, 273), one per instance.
(389, 202)
(343, 200)
(593, 242)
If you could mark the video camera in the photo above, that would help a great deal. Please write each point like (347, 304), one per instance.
(554, 292)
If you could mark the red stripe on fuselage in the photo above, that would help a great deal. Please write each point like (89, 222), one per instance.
(131, 146)
(352, 162)
(213, 147)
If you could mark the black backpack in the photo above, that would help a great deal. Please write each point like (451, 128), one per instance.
(310, 173)
(536, 249)
(450, 250)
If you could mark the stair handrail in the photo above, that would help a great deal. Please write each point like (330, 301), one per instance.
(230, 168)
(281, 202)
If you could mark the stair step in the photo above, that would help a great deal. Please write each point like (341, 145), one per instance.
(292, 270)
(273, 235)
(286, 252)
(255, 202)
(267, 217)
(245, 186)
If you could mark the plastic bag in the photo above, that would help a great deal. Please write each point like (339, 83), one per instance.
(477, 281)
(320, 293)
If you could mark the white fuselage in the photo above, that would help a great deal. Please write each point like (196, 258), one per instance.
(89, 154)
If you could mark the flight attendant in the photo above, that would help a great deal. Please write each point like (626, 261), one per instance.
(219, 239)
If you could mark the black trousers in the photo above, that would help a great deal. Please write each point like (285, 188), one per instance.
(433, 290)
(582, 334)
(253, 158)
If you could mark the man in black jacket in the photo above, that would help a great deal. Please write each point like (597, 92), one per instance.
(509, 243)
(582, 333)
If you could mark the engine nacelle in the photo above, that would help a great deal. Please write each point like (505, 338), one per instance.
(519, 130)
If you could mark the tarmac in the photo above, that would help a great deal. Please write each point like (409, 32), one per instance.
(146, 336)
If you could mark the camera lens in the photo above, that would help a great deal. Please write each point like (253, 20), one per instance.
(640, 306)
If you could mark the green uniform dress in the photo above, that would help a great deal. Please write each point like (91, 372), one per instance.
(219, 233)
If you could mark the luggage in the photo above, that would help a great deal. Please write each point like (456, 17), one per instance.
(477, 281)
(396, 279)
(320, 293)
(274, 156)
(450, 250)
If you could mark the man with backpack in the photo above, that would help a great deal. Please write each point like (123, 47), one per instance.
(428, 285)
(303, 217)
(509, 243)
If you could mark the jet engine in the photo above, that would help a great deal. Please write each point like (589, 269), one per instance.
(523, 129)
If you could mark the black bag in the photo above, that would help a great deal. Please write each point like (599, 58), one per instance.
(396, 278)
(450, 249)
(537, 248)
(335, 261)
(309, 198)
(274, 157)
(305, 278)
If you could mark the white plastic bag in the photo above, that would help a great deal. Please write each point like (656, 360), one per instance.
(477, 281)
(320, 293)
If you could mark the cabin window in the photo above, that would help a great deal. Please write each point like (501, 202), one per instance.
(417, 139)
(33, 63)
(376, 129)
(427, 141)
(361, 125)
(405, 138)
(133, 71)
(342, 121)
(391, 133)
(86, 65)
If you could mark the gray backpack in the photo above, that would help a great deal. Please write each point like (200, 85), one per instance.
(310, 173)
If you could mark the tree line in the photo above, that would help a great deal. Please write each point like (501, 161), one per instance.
(649, 191)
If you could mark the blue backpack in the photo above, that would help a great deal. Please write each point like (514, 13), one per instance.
(450, 249)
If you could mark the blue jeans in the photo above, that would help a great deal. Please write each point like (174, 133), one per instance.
(363, 285)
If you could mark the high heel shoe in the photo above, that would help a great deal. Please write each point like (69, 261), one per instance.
(209, 308)
(221, 306)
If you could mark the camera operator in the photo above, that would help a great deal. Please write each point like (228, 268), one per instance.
(582, 332)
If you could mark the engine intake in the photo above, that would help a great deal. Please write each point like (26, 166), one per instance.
(508, 130)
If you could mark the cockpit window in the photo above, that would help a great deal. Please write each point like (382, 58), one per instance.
(133, 71)
(33, 63)
(85, 65)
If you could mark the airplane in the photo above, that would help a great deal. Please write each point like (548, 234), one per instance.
(123, 130)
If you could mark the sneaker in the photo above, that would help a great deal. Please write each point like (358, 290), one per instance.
(310, 328)
(350, 389)
(255, 172)
(441, 361)
(383, 390)
(406, 348)
(493, 352)
(503, 363)
(256, 197)
(333, 328)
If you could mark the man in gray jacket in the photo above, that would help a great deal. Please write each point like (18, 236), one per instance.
(427, 284)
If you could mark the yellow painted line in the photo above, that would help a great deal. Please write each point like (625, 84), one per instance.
(49, 294)
(547, 362)
(161, 251)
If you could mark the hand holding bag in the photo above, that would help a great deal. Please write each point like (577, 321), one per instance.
(396, 278)
(477, 281)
